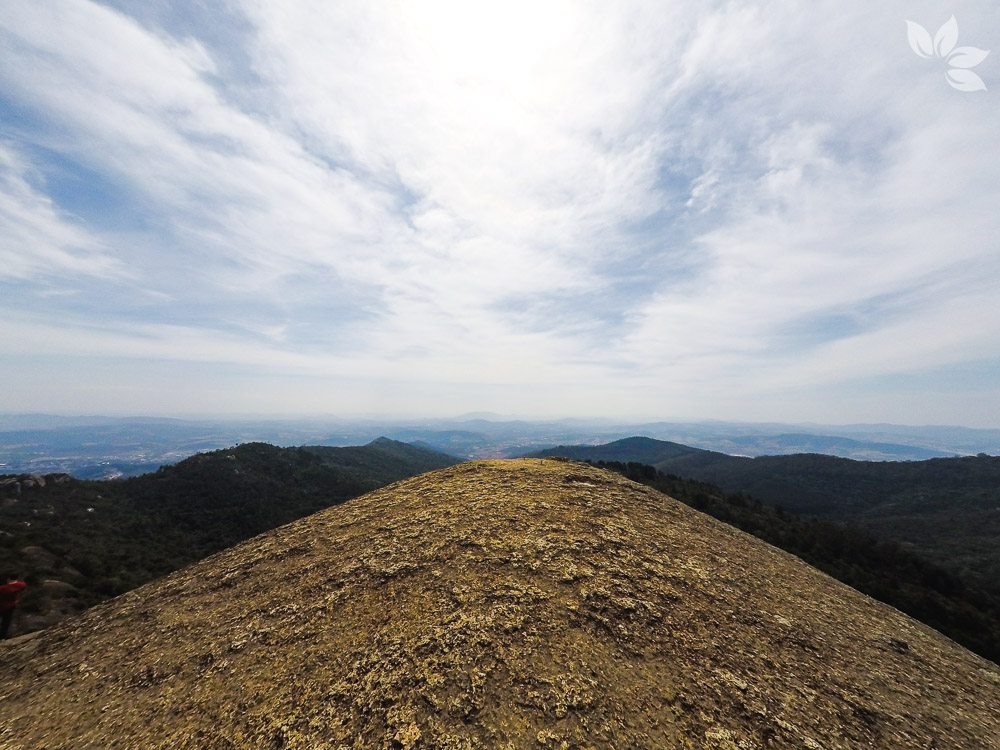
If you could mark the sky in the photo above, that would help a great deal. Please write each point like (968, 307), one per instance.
(760, 211)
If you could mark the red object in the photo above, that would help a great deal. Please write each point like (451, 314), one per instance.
(10, 593)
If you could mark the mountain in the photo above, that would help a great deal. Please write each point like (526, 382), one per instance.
(830, 445)
(947, 508)
(869, 441)
(641, 450)
(78, 542)
(507, 604)
(669, 457)
(383, 460)
(464, 443)
(99, 447)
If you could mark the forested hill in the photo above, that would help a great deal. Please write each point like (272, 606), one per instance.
(383, 460)
(947, 508)
(642, 450)
(78, 542)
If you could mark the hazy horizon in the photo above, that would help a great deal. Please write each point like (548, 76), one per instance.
(735, 211)
(490, 417)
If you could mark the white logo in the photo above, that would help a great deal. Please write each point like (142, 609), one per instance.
(960, 59)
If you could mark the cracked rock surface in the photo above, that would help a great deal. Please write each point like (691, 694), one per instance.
(497, 604)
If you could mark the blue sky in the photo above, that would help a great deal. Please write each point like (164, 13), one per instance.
(732, 210)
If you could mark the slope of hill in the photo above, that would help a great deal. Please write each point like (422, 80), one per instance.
(792, 443)
(947, 508)
(966, 611)
(503, 604)
(641, 450)
(78, 542)
(383, 460)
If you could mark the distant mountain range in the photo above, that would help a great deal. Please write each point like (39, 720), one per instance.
(105, 447)
(791, 443)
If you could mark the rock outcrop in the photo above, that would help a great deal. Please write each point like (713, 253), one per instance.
(501, 604)
(14, 484)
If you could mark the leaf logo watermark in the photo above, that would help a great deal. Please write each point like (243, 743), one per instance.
(959, 59)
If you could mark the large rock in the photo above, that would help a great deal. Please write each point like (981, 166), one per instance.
(506, 604)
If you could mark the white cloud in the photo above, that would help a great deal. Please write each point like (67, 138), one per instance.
(142, 110)
(36, 239)
(511, 193)
(820, 217)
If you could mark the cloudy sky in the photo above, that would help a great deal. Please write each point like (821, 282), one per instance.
(736, 210)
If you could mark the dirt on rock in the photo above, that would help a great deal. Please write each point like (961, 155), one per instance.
(497, 604)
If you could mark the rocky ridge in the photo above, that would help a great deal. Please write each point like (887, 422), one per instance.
(509, 604)
(14, 484)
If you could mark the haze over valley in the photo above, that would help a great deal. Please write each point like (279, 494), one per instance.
(109, 447)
